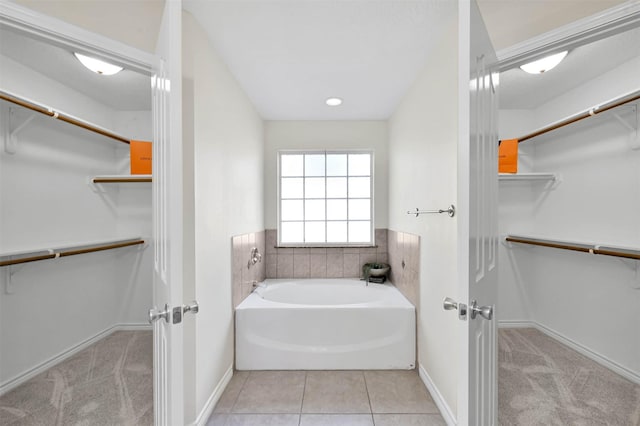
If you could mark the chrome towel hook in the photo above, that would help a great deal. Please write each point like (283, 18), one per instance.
(451, 211)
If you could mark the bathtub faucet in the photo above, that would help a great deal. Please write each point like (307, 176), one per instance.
(254, 257)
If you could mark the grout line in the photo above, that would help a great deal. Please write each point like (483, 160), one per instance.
(235, 400)
(304, 391)
(368, 396)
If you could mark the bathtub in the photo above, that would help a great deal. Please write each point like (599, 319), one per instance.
(325, 324)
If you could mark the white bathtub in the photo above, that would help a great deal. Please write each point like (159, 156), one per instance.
(325, 324)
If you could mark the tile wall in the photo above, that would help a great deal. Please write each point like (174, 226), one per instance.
(322, 262)
(399, 249)
(404, 258)
(243, 272)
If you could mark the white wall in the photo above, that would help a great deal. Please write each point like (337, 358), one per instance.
(45, 201)
(422, 173)
(326, 135)
(588, 299)
(228, 189)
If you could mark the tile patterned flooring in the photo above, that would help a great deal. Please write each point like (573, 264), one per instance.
(326, 398)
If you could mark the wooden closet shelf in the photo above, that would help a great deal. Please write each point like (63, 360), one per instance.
(8, 259)
(622, 100)
(34, 106)
(602, 249)
(526, 176)
(122, 179)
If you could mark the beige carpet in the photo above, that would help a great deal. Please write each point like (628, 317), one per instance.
(543, 382)
(109, 383)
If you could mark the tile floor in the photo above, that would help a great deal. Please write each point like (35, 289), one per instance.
(326, 398)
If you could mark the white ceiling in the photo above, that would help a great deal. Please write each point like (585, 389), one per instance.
(290, 55)
(519, 90)
(125, 91)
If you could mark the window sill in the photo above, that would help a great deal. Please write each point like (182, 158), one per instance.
(337, 246)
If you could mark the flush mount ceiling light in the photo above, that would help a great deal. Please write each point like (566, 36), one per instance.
(98, 66)
(333, 101)
(545, 64)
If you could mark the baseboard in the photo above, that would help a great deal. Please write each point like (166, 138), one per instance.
(206, 411)
(578, 347)
(32, 372)
(516, 324)
(442, 405)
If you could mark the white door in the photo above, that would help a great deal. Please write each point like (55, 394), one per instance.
(167, 221)
(478, 223)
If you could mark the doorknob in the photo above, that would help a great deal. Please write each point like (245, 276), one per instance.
(193, 308)
(449, 304)
(155, 315)
(485, 312)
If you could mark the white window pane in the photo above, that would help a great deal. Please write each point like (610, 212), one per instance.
(314, 165)
(291, 165)
(291, 188)
(336, 187)
(291, 232)
(337, 165)
(291, 210)
(314, 232)
(359, 187)
(314, 188)
(336, 209)
(336, 232)
(359, 209)
(359, 164)
(359, 232)
(314, 210)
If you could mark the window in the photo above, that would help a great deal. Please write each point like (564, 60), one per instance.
(325, 198)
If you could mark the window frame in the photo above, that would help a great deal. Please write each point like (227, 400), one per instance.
(326, 152)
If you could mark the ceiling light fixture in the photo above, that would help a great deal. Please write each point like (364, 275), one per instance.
(545, 64)
(333, 101)
(98, 66)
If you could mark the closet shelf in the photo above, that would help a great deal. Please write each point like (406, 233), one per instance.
(526, 176)
(48, 111)
(121, 179)
(15, 258)
(602, 249)
(598, 109)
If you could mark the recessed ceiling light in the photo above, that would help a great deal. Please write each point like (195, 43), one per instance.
(545, 64)
(98, 66)
(333, 101)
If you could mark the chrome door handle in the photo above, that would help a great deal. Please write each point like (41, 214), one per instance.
(485, 312)
(449, 305)
(194, 308)
(155, 315)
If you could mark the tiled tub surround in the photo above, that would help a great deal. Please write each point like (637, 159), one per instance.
(322, 262)
(404, 258)
(245, 273)
(392, 247)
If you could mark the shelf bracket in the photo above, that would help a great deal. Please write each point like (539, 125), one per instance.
(635, 266)
(11, 130)
(634, 138)
(95, 187)
(8, 275)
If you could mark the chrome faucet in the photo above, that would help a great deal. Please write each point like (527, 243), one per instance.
(254, 257)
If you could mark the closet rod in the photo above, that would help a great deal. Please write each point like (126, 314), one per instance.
(70, 252)
(593, 111)
(60, 116)
(584, 248)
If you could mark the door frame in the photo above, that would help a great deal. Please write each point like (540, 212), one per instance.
(607, 23)
(68, 36)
